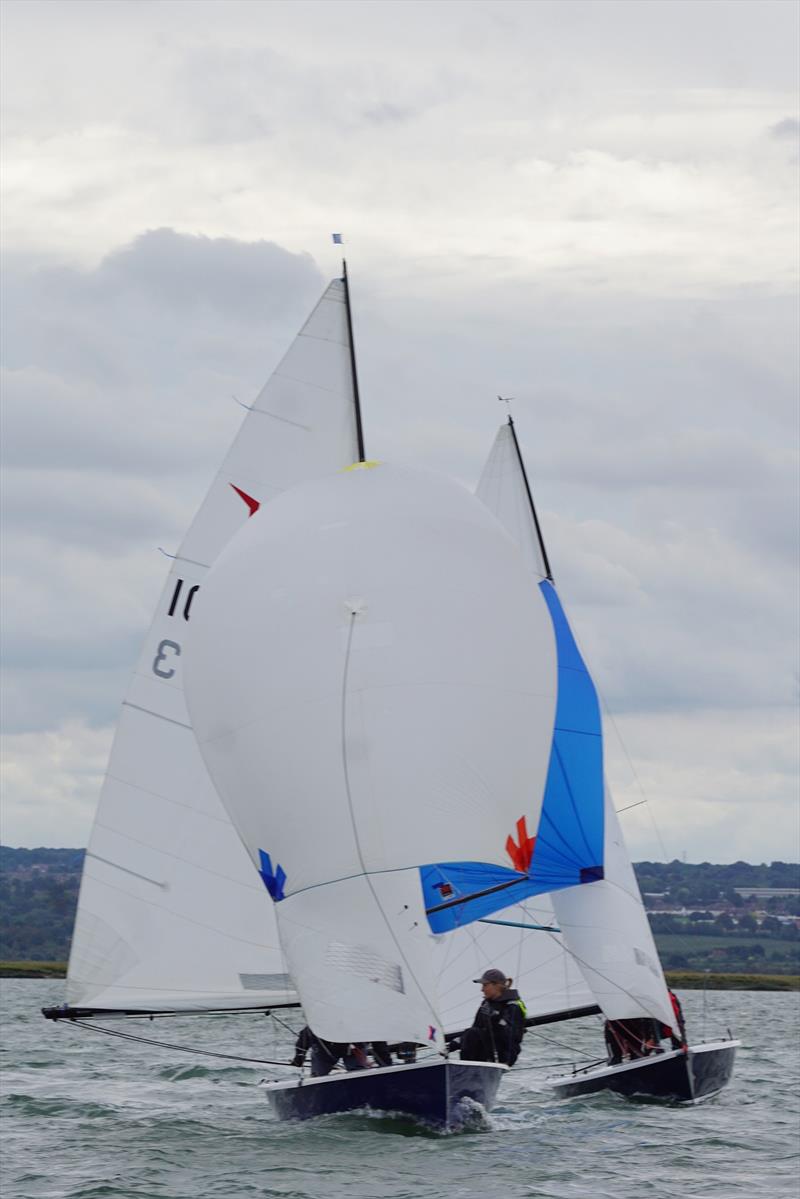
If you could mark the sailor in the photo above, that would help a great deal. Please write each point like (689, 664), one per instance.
(633, 1037)
(499, 1025)
(677, 1033)
(327, 1054)
(380, 1053)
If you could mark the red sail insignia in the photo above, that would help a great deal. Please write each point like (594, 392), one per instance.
(521, 853)
(252, 504)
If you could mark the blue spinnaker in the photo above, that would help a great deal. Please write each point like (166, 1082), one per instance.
(568, 849)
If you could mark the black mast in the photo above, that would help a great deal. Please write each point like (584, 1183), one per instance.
(530, 499)
(356, 397)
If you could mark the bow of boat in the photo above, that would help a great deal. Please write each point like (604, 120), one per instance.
(683, 1075)
(439, 1092)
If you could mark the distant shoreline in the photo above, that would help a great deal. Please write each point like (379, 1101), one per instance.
(697, 980)
(33, 969)
(682, 980)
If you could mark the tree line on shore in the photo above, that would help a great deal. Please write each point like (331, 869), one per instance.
(719, 929)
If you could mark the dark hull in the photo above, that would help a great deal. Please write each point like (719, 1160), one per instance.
(441, 1093)
(686, 1077)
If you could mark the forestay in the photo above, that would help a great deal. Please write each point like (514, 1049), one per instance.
(373, 692)
(172, 915)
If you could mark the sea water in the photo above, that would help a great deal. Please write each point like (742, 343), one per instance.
(86, 1116)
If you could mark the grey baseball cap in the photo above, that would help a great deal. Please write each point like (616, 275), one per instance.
(491, 976)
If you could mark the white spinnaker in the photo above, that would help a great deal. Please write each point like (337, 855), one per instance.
(372, 690)
(604, 924)
(172, 915)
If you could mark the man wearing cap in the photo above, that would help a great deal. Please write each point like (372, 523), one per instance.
(499, 1024)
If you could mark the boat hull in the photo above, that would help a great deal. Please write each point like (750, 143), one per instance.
(442, 1093)
(677, 1075)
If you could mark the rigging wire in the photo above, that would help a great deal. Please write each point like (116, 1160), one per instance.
(260, 1061)
(553, 1041)
(282, 1023)
(600, 1061)
(129, 1036)
(645, 800)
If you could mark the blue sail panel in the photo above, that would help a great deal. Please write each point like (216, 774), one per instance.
(458, 893)
(568, 848)
(570, 839)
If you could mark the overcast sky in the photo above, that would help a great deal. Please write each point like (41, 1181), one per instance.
(591, 207)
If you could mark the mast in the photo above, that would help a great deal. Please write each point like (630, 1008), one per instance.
(530, 497)
(354, 372)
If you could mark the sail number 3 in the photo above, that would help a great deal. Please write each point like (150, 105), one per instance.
(163, 655)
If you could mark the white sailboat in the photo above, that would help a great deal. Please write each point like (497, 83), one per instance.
(386, 704)
(607, 932)
(172, 917)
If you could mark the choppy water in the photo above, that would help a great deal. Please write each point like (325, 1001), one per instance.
(87, 1117)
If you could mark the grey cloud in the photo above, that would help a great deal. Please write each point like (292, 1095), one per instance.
(38, 698)
(98, 322)
(111, 368)
(117, 407)
(388, 114)
(656, 436)
(99, 509)
(251, 280)
(721, 460)
(786, 130)
(656, 430)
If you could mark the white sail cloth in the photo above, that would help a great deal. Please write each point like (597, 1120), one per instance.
(605, 928)
(515, 941)
(372, 689)
(502, 489)
(604, 925)
(172, 915)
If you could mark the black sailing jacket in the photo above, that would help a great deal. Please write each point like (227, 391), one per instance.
(501, 1024)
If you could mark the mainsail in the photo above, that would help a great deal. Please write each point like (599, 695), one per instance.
(172, 915)
(605, 928)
